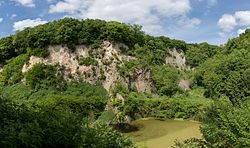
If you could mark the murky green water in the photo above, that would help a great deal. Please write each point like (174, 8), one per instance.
(155, 133)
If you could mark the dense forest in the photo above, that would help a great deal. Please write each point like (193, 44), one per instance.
(41, 108)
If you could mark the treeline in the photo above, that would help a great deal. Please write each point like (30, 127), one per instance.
(228, 72)
(70, 32)
(55, 125)
(150, 51)
(222, 72)
(48, 117)
(226, 79)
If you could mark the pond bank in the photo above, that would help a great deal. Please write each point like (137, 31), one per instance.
(156, 133)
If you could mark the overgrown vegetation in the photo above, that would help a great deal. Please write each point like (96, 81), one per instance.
(41, 75)
(166, 79)
(199, 53)
(12, 72)
(137, 105)
(52, 126)
(87, 61)
(226, 78)
(70, 32)
(40, 108)
(224, 125)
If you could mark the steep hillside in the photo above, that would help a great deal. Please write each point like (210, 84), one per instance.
(227, 73)
(96, 51)
(80, 75)
(92, 65)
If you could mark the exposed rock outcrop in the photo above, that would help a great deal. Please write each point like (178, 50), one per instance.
(108, 57)
(176, 58)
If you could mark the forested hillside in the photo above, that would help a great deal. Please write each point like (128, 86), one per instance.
(63, 83)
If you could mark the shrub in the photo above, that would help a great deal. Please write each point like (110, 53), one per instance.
(226, 125)
(166, 79)
(139, 105)
(87, 61)
(52, 126)
(12, 72)
(41, 75)
(39, 52)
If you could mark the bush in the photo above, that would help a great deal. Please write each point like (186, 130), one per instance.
(79, 97)
(41, 75)
(139, 105)
(226, 75)
(7, 49)
(166, 79)
(12, 72)
(226, 125)
(191, 143)
(87, 61)
(39, 52)
(181, 115)
(52, 126)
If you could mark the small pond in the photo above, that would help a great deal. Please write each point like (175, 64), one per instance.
(154, 133)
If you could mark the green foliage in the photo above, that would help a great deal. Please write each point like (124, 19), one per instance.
(199, 53)
(138, 105)
(120, 32)
(129, 68)
(39, 52)
(191, 143)
(241, 42)
(148, 50)
(29, 127)
(70, 32)
(104, 137)
(52, 126)
(166, 79)
(7, 49)
(155, 49)
(226, 125)
(12, 72)
(105, 118)
(41, 75)
(80, 97)
(49, 117)
(87, 61)
(226, 75)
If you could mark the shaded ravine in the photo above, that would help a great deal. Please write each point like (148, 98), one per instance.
(155, 133)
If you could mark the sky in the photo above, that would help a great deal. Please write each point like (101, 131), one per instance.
(194, 21)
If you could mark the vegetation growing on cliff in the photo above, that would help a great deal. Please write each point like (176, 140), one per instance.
(33, 103)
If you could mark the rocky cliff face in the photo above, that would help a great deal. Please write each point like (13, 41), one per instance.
(105, 70)
(176, 58)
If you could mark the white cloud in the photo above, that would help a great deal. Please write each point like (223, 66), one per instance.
(20, 25)
(240, 31)
(51, 1)
(26, 3)
(227, 22)
(222, 34)
(189, 23)
(209, 2)
(13, 16)
(148, 13)
(212, 2)
(1, 20)
(243, 17)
